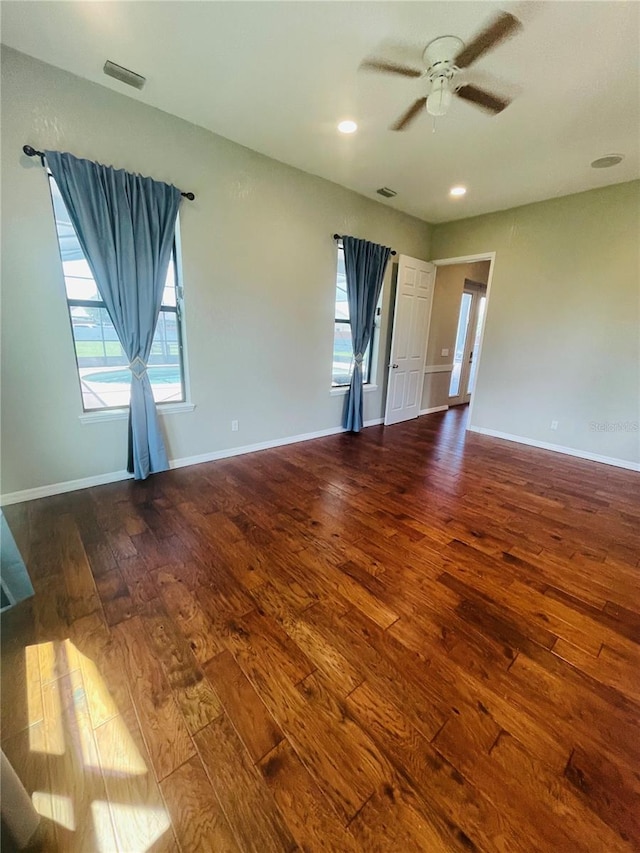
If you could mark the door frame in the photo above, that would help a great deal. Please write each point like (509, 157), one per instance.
(467, 259)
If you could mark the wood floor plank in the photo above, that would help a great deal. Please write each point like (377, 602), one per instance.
(193, 693)
(198, 628)
(163, 726)
(114, 595)
(245, 799)
(313, 823)
(557, 802)
(460, 813)
(198, 819)
(594, 777)
(391, 822)
(342, 761)
(250, 718)
(136, 807)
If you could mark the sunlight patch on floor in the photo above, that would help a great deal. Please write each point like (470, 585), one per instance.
(137, 827)
(55, 807)
(71, 713)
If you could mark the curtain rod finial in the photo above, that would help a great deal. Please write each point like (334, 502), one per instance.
(30, 151)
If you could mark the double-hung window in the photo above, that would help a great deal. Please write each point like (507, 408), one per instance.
(103, 368)
(342, 345)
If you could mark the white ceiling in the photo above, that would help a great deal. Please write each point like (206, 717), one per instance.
(278, 76)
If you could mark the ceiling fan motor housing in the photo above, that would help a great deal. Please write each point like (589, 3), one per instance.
(439, 56)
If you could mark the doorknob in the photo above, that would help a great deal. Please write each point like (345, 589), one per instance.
(394, 366)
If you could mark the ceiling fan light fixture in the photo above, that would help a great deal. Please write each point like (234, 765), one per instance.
(439, 99)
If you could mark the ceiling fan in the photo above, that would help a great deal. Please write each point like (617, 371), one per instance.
(444, 58)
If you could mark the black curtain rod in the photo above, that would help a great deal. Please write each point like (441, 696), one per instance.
(31, 152)
(339, 237)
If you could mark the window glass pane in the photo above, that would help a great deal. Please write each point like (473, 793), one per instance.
(342, 354)
(105, 378)
(342, 305)
(476, 345)
(461, 337)
(169, 293)
(79, 281)
(78, 278)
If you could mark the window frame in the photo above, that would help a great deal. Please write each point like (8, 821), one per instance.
(367, 381)
(110, 412)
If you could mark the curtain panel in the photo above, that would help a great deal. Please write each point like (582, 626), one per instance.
(125, 224)
(365, 264)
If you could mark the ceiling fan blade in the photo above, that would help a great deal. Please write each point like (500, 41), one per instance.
(501, 28)
(390, 67)
(482, 98)
(407, 117)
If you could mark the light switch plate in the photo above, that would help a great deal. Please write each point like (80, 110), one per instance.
(444, 352)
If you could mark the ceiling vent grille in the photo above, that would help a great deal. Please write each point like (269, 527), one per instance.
(386, 192)
(124, 75)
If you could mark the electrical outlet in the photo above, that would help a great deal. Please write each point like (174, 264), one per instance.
(554, 425)
(234, 426)
(444, 352)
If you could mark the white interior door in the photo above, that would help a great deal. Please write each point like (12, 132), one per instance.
(414, 295)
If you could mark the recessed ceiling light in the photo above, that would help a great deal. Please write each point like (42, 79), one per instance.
(347, 126)
(457, 191)
(606, 162)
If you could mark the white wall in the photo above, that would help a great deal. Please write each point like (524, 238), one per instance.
(259, 275)
(562, 333)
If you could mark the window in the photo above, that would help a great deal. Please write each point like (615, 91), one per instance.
(342, 346)
(105, 378)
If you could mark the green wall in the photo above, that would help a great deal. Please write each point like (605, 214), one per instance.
(562, 335)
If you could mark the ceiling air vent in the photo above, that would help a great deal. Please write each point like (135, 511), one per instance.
(124, 75)
(386, 192)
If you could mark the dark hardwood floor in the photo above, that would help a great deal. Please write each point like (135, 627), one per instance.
(410, 639)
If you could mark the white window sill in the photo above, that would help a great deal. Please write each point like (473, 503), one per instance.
(123, 414)
(341, 390)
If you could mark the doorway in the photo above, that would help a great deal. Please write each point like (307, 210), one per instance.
(467, 343)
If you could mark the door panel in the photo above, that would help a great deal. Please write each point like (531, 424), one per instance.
(414, 384)
(414, 295)
(398, 392)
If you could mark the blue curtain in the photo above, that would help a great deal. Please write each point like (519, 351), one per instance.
(364, 265)
(125, 224)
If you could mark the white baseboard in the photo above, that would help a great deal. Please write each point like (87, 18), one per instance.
(432, 410)
(60, 488)
(116, 476)
(558, 448)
